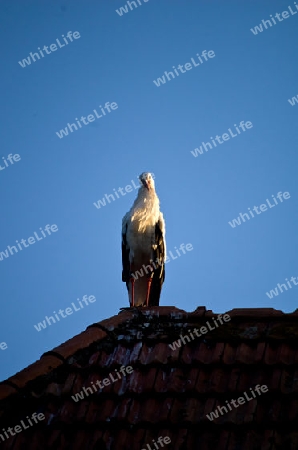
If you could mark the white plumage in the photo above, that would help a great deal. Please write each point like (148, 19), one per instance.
(143, 246)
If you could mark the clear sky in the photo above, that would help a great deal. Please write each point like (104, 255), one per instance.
(247, 77)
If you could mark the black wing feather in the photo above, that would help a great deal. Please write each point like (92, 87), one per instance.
(125, 259)
(159, 272)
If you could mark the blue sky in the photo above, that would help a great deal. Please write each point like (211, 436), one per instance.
(56, 181)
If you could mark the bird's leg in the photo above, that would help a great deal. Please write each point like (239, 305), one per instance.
(132, 292)
(132, 280)
(149, 281)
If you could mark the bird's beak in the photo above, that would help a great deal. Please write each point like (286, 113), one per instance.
(146, 185)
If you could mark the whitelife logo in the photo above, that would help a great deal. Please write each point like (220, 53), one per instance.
(240, 400)
(262, 207)
(19, 428)
(281, 287)
(285, 15)
(31, 240)
(187, 66)
(11, 158)
(203, 330)
(124, 9)
(293, 101)
(160, 443)
(140, 273)
(27, 61)
(225, 137)
(101, 384)
(87, 119)
(3, 346)
(68, 311)
(128, 188)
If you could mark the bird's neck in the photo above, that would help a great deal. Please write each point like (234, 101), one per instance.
(146, 207)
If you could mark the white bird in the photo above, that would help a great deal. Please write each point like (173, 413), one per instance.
(144, 246)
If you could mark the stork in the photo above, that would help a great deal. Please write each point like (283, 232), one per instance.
(144, 246)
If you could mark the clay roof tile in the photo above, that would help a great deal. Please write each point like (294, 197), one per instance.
(169, 391)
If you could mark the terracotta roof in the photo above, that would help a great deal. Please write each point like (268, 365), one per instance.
(168, 393)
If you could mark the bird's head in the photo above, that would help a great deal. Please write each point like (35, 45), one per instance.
(147, 181)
